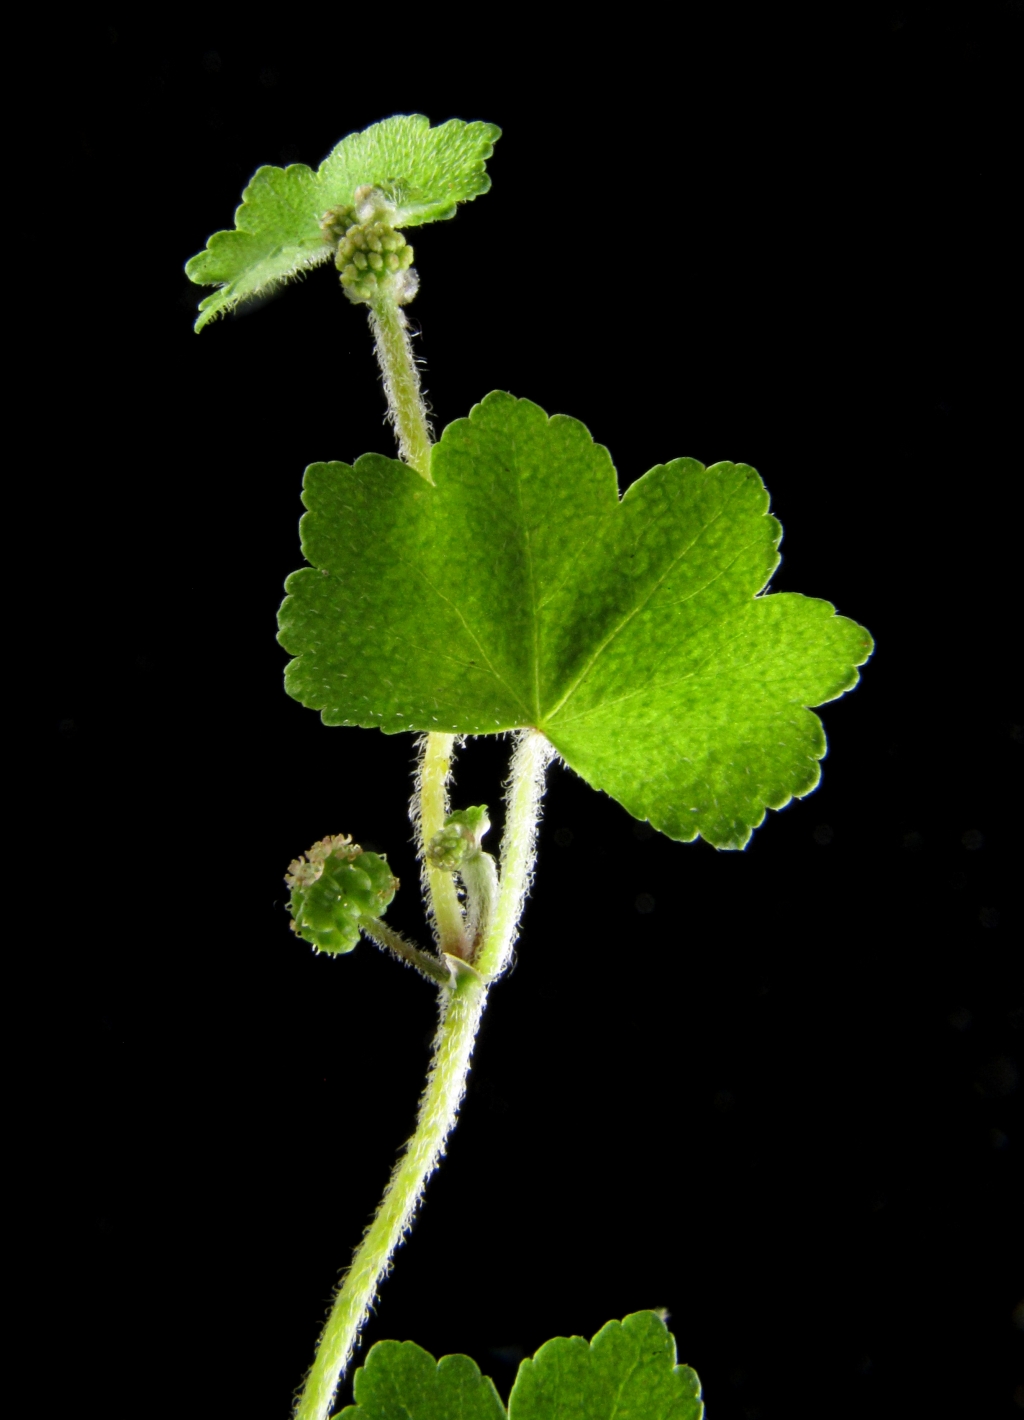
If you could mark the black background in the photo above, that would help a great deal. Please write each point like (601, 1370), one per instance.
(773, 1091)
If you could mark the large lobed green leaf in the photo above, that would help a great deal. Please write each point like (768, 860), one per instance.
(628, 1372)
(401, 1381)
(425, 172)
(521, 590)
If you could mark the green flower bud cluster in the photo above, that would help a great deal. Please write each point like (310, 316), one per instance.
(460, 838)
(334, 887)
(370, 252)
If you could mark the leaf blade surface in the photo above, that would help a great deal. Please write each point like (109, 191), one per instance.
(627, 1372)
(401, 1381)
(521, 590)
(425, 171)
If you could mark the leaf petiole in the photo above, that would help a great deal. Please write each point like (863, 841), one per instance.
(401, 376)
(524, 791)
(428, 811)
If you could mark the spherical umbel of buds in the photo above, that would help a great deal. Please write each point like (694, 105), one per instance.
(460, 838)
(334, 887)
(372, 257)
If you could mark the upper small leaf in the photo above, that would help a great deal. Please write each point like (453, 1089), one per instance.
(423, 171)
(628, 1372)
(401, 1381)
(520, 590)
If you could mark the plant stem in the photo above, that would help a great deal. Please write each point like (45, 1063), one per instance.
(461, 1009)
(401, 383)
(462, 1001)
(408, 413)
(385, 937)
(524, 791)
(479, 874)
(428, 812)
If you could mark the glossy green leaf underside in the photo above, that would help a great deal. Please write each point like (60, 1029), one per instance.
(425, 172)
(520, 590)
(401, 1381)
(628, 1372)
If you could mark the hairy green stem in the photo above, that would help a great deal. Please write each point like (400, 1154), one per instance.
(479, 874)
(385, 937)
(428, 812)
(397, 363)
(461, 1008)
(408, 414)
(462, 1000)
(524, 791)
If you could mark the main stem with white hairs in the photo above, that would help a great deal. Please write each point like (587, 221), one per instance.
(462, 1000)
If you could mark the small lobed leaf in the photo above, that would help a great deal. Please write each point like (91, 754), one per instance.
(627, 1372)
(424, 171)
(521, 590)
(401, 1381)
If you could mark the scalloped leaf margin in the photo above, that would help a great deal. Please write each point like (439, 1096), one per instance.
(425, 171)
(520, 590)
(628, 1371)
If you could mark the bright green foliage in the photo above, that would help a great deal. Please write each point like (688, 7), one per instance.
(628, 1372)
(520, 590)
(424, 172)
(401, 1381)
(334, 886)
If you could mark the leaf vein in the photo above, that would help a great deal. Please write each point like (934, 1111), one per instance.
(631, 615)
(469, 631)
